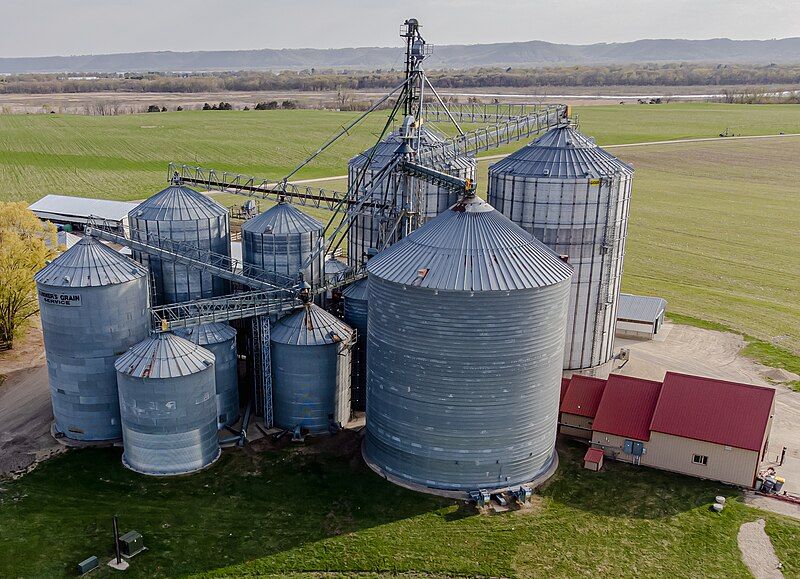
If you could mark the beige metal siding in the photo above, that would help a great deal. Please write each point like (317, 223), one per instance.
(725, 463)
(635, 330)
(673, 453)
(577, 426)
(612, 446)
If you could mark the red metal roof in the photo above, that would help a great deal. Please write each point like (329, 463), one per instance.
(627, 407)
(564, 386)
(583, 395)
(711, 410)
(593, 455)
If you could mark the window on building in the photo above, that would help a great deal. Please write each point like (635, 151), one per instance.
(700, 459)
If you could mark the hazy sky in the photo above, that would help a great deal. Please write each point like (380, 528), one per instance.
(63, 27)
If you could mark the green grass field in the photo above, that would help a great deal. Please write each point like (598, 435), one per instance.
(713, 225)
(288, 512)
(125, 157)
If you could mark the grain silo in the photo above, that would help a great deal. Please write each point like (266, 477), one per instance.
(465, 343)
(168, 406)
(220, 340)
(335, 270)
(575, 197)
(355, 315)
(93, 307)
(310, 353)
(424, 199)
(281, 239)
(181, 215)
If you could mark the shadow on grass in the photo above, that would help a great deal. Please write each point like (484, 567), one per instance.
(250, 504)
(626, 490)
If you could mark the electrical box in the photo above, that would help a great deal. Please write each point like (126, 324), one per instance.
(87, 565)
(131, 543)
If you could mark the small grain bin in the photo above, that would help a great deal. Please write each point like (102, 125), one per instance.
(311, 366)
(220, 340)
(465, 343)
(168, 406)
(355, 315)
(93, 305)
(174, 218)
(280, 240)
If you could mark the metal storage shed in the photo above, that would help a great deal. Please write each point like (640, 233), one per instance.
(640, 316)
(78, 211)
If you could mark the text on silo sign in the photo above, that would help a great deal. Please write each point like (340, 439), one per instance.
(72, 300)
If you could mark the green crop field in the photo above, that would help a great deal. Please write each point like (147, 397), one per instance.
(287, 512)
(713, 225)
(125, 157)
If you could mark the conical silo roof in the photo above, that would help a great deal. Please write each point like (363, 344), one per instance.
(561, 153)
(282, 219)
(357, 290)
(310, 326)
(89, 263)
(164, 356)
(470, 247)
(334, 267)
(204, 334)
(178, 203)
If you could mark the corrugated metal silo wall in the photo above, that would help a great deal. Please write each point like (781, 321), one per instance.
(587, 222)
(169, 425)
(309, 383)
(462, 392)
(226, 379)
(284, 254)
(174, 283)
(368, 231)
(355, 316)
(82, 341)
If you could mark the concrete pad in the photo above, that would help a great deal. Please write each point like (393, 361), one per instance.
(121, 566)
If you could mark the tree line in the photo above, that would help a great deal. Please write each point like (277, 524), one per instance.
(318, 81)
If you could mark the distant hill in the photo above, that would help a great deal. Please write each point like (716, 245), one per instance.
(514, 54)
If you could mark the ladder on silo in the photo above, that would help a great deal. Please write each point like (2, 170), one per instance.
(605, 297)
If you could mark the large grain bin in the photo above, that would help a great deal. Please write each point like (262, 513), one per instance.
(181, 215)
(168, 406)
(423, 198)
(310, 352)
(575, 197)
(93, 304)
(465, 343)
(281, 239)
(220, 340)
(355, 315)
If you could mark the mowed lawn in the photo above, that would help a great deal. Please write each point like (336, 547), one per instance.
(287, 512)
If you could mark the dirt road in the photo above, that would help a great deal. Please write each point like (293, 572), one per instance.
(25, 411)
